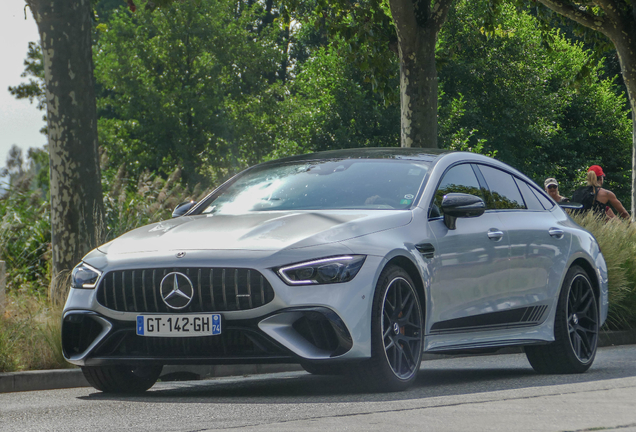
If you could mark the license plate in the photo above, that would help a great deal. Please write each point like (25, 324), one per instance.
(179, 325)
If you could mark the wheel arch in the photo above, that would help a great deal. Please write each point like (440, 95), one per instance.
(410, 267)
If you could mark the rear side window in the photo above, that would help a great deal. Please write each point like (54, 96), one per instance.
(532, 202)
(458, 179)
(504, 193)
(547, 203)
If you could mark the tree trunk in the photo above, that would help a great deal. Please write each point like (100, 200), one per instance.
(76, 192)
(417, 24)
(626, 47)
(418, 90)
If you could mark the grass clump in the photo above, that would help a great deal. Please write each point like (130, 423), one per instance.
(30, 334)
(30, 324)
(617, 239)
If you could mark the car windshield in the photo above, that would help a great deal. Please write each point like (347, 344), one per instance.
(328, 184)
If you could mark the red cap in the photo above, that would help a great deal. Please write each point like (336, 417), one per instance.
(597, 170)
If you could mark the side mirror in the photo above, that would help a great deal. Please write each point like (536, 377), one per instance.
(183, 208)
(459, 205)
(570, 205)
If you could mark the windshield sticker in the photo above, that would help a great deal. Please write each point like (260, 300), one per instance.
(406, 201)
(408, 197)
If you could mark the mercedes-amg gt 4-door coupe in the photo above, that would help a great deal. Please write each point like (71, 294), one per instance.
(351, 262)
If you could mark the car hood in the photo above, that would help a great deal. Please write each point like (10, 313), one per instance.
(261, 231)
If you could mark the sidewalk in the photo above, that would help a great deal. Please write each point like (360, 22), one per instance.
(67, 378)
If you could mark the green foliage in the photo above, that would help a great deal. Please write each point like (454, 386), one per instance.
(131, 203)
(34, 89)
(213, 87)
(180, 83)
(30, 334)
(364, 28)
(330, 106)
(25, 236)
(507, 88)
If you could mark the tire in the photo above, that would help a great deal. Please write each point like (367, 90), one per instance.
(575, 329)
(122, 378)
(397, 334)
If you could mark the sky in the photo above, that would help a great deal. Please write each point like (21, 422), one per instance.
(20, 121)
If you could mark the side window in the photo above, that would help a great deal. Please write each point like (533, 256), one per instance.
(547, 203)
(532, 202)
(458, 179)
(504, 193)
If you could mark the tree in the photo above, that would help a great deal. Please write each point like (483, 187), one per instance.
(530, 102)
(192, 85)
(616, 19)
(330, 105)
(75, 187)
(211, 87)
(416, 25)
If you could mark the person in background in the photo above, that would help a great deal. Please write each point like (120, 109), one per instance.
(552, 188)
(599, 199)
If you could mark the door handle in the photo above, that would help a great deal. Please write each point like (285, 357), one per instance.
(556, 232)
(495, 234)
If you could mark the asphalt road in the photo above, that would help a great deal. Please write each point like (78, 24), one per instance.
(485, 393)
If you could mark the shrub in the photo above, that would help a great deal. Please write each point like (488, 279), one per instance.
(617, 239)
(30, 334)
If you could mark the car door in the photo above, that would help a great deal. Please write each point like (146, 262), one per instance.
(471, 263)
(538, 247)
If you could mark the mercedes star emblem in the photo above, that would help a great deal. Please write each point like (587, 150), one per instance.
(176, 290)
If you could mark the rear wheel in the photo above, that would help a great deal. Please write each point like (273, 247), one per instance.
(122, 378)
(397, 334)
(576, 327)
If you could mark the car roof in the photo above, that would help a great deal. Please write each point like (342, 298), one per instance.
(406, 153)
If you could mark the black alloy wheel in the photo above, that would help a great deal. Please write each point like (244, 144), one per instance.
(397, 334)
(402, 328)
(582, 319)
(576, 328)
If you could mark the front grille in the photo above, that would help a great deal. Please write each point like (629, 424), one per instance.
(215, 290)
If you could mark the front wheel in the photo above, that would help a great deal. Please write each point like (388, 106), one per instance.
(397, 334)
(576, 327)
(122, 378)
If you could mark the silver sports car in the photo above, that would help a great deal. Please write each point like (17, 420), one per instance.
(348, 262)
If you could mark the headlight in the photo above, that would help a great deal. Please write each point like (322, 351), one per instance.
(323, 271)
(84, 276)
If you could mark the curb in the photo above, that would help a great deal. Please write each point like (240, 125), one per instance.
(41, 380)
(70, 378)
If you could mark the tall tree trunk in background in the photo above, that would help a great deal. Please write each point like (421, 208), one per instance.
(417, 23)
(616, 20)
(627, 55)
(76, 192)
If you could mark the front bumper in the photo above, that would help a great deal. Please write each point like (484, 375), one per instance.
(301, 323)
(309, 333)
